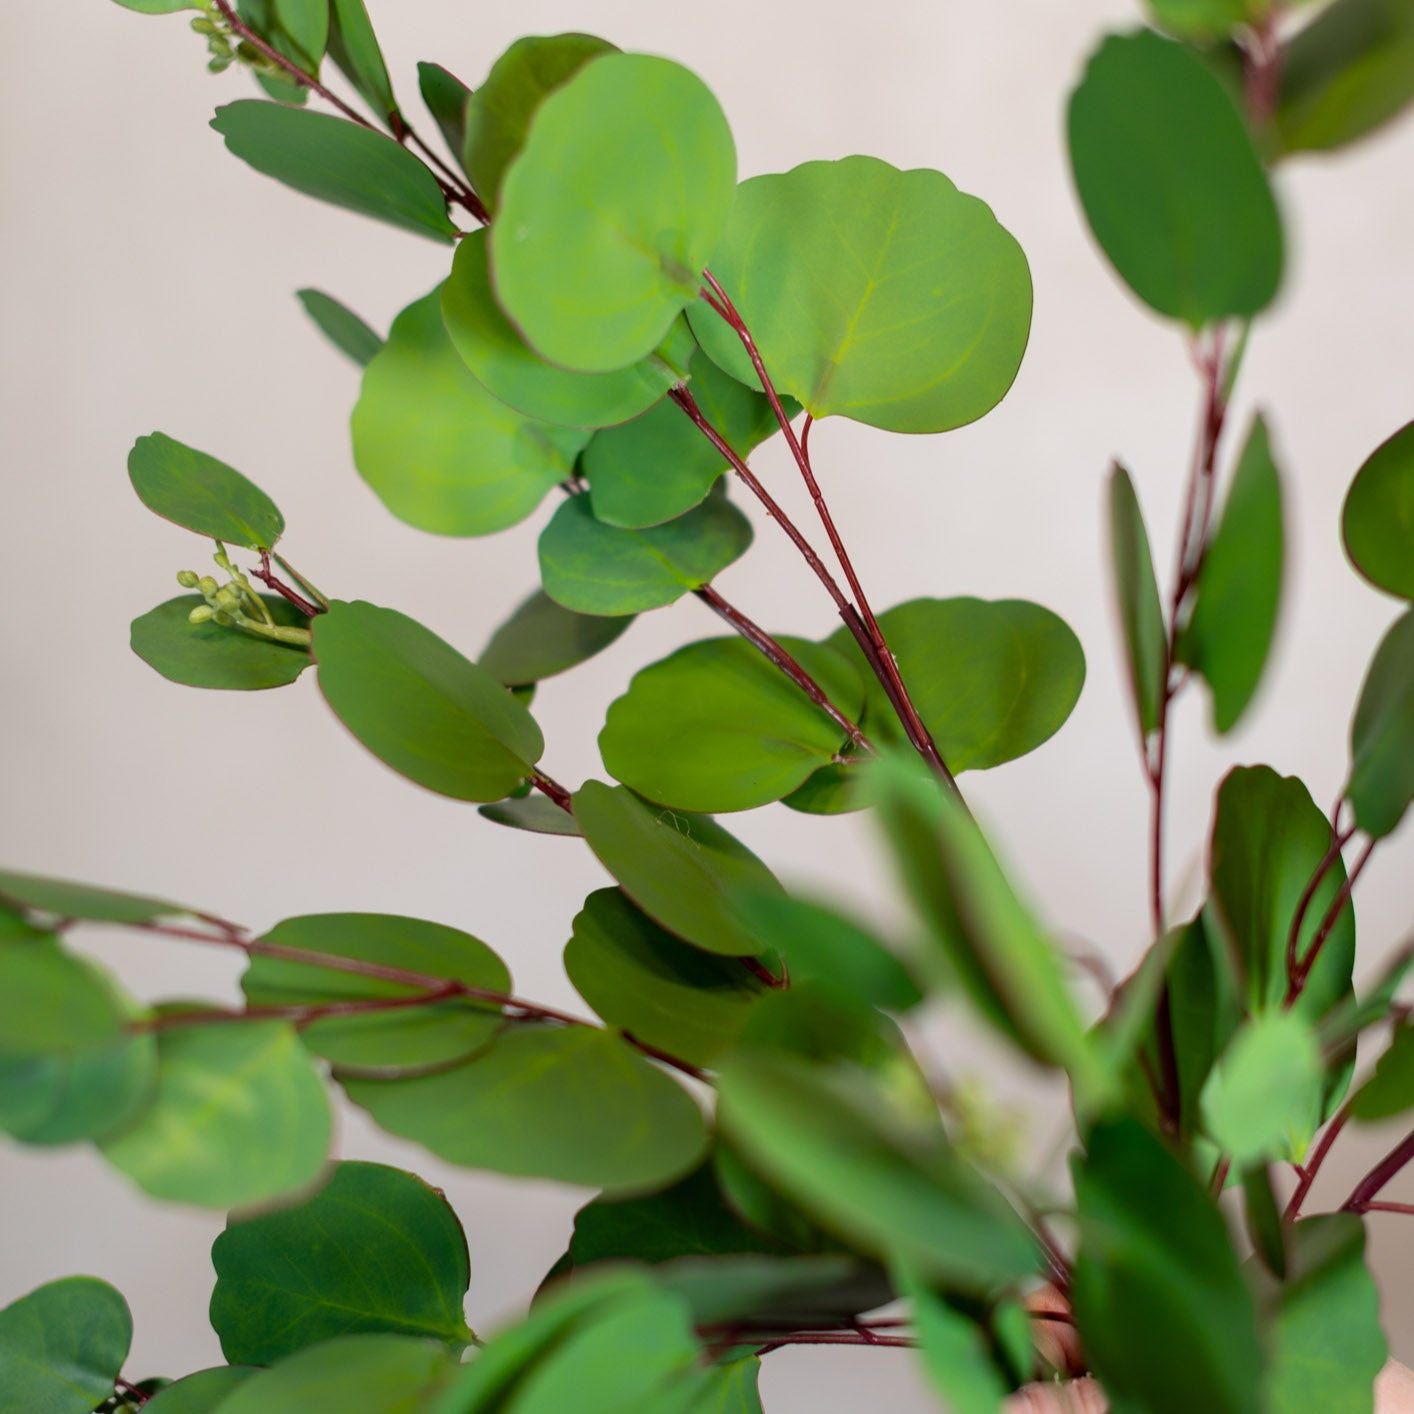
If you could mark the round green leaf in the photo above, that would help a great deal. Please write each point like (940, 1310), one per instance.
(341, 326)
(1142, 616)
(442, 453)
(67, 900)
(1171, 183)
(595, 568)
(570, 1103)
(543, 638)
(420, 707)
(1382, 735)
(415, 1036)
(715, 726)
(376, 1249)
(1390, 1090)
(199, 493)
(495, 352)
(992, 679)
(883, 296)
(660, 465)
(55, 1003)
(63, 1346)
(210, 655)
(355, 1374)
(533, 813)
(642, 979)
(200, 1393)
(499, 112)
(1378, 518)
(240, 1115)
(337, 161)
(610, 211)
(684, 871)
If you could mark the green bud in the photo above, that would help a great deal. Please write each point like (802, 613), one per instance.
(207, 585)
(221, 617)
(204, 26)
(201, 614)
(220, 65)
(227, 598)
(188, 579)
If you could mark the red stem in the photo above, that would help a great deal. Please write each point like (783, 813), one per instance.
(1332, 917)
(1339, 839)
(268, 577)
(1307, 1176)
(1386, 1169)
(550, 787)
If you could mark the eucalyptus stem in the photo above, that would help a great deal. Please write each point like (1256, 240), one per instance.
(1328, 922)
(1339, 839)
(1306, 1176)
(268, 577)
(548, 786)
(1381, 1174)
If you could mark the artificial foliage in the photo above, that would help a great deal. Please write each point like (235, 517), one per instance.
(765, 1160)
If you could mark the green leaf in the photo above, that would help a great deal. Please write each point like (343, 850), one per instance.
(421, 1036)
(953, 1350)
(354, 48)
(570, 1103)
(992, 679)
(1171, 183)
(55, 1003)
(158, 7)
(442, 453)
(215, 656)
(1201, 19)
(660, 465)
(731, 1389)
(1390, 1090)
(307, 23)
(641, 979)
(240, 1115)
(1268, 838)
(716, 726)
(684, 871)
(196, 491)
(446, 97)
(200, 1393)
(784, 1292)
(1263, 1098)
(1326, 1342)
(883, 296)
(1155, 1255)
(337, 161)
(63, 1345)
(355, 1374)
(376, 1249)
(494, 350)
(1382, 734)
(1230, 633)
(595, 568)
(1377, 521)
(533, 813)
(67, 900)
(1346, 74)
(341, 326)
(543, 638)
(1145, 637)
(420, 707)
(499, 114)
(611, 209)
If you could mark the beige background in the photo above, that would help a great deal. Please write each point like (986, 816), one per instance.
(147, 282)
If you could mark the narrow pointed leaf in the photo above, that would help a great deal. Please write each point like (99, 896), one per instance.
(64, 899)
(543, 638)
(446, 97)
(1378, 518)
(307, 23)
(1145, 637)
(213, 655)
(198, 492)
(354, 48)
(533, 813)
(342, 327)
(63, 1345)
(1382, 734)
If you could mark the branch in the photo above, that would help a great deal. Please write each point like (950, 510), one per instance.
(1378, 1176)
(548, 786)
(1307, 1176)
(268, 577)
(1339, 839)
(1332, 917)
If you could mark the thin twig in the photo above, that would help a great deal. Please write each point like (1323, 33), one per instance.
(1339, 839)
(268, 577)
(1306, 1175)
(1332, 917)
(1378, 1207)
(1380, 1175)
(547, 785)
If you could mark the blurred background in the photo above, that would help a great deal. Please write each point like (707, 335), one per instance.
(148, 282)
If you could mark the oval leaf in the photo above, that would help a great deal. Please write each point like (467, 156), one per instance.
(543, 638)
(198, 492)
(420, 707)
(916, 322)
(200, 1393)
(1145, 637)
(1378, 518)
(63, 1346)
(1382, 735)
(68, 900)
(216, 656)
(337, 161)
(442, 453)
(533, 813)
(341, 326)
(55, 1003)
(1171, 183)
(611, 210)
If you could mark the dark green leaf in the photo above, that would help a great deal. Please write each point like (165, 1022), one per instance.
(201, 1393)
(611, 209)
(442, 453)
(1155, 1255)
(784, 1292)
(641, 979)
(337, 161)
(1230, 633)
(953, 1349)
(1171, 183)
(446, 97)
(1346, 74)
(916, 322)
(307, 24)
(240, 1115)
(214, 655)
(660, 465)
(1378, 518)
(731, 1389)
(1145, 638)
(423, 1035)
(494, 350)
(420, 707)
(62, 1346)
(835, 789)
(534, 813)
(198, 492)
(498, 116)
(1327, 1346)
(55, 1003)
(1348, 1018)
(342, 327)
(355, 1374)
(1382, 735)
(1390, 1090)
(354, 48)
(716, 726)
(570, 1103)
(67, 900)
(992, 679)
(543, 638)
(376, 1249)
(595, 568)
(684, 871)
